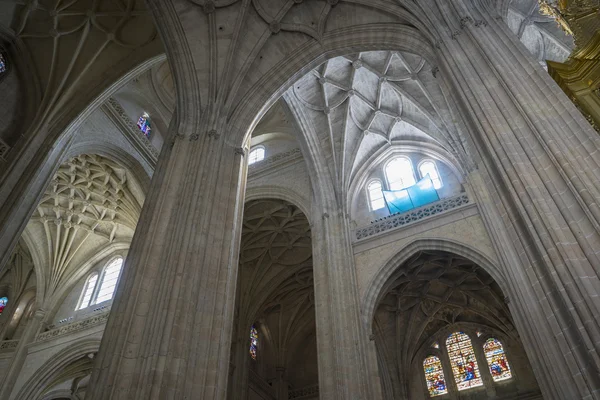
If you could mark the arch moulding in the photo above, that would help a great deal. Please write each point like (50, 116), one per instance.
(383, 277)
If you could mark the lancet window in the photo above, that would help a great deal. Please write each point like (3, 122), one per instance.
(399, 173)
(375, 194)
(144, 124)
(256, 154)
(2, 63)
(101, 287)
(428, 167)
(496, 359)
(463, 361)
(3, 303)
(434, 376)
(253, 342)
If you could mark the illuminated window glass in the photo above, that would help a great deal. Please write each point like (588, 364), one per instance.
(434, 376)
(496, 359)
(88, 291)
(436, 345)
(2, 64)
(376, 200)
(429, 168)
(144, 124)
(3, 303)
(109, 280)
(256, 154)
(253, 342)
(463, 361)
(399, 173)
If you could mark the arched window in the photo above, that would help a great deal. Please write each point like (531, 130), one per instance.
(2, 63)
(109, 280)
(253, 342)
(144, 124)
(399, 173)
(496, 359)
(434, 376)
(429, 168)
(256, 154)
(88, 291)
(3, 303)
(463, 361)
(375, 193)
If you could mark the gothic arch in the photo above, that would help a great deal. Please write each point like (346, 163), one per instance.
(377, 286)
(281, 193)
(37, 383)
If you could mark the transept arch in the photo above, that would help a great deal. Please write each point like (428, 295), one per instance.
(44, 377)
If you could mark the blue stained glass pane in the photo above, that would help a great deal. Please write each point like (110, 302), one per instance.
(144, 124)
(3, 303)
(417, 195)
(423, 192)
(2, 64)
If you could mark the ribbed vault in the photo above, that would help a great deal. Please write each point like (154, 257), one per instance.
(436, 289)
(276, 288)
(363, 103)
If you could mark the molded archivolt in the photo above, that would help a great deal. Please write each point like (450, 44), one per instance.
(275, 294)
(432, 294)
(73, 363)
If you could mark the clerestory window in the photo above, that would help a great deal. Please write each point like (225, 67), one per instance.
(101, 287)
(256, 154)
(375, 195)
(399, 173)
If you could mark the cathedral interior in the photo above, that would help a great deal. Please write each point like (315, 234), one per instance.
(299, 199)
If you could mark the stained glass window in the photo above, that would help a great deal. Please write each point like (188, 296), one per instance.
(496, 359)
(463, 361)
(144, 124)
(434, 376)
(3, 303)
(256, 154)
(375, 195)
(253, 342)
(88, 291)
(436, 345)
(109, 280)
(429, 168)
(2, 64)
(399, 173)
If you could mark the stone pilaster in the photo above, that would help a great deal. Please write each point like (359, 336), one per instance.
(347, 361)
(20, 354)
(169, 332)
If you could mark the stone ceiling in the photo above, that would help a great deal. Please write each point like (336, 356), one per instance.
(433, 290)
(90, 203)
(361, 103)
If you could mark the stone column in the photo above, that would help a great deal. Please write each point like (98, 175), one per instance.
(538, 158)
(169, 332)
(347, 359)
(20, 353)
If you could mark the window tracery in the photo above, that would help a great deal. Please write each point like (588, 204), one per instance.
(109, 280)
(256, 154)
(399, 173)
(97, 290)
(463, 361)
(88, 291)
(429, 167)
(496, 359)
(375, 194)
(434, 376)
(253, 342)
(144, 124)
